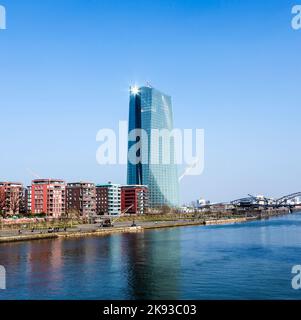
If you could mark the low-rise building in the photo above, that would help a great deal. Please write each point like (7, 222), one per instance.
(28, 199)
(202, 203)
(47, 196)
(108, 199)
(81, 197)
(134, 199)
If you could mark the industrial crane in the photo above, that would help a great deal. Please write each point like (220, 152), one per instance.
(110, 223)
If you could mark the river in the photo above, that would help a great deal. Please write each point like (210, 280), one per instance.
(242, 261)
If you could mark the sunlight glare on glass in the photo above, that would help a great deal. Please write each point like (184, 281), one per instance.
(134, 90)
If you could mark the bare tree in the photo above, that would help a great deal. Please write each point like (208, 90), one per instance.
(73, 214)
(2, 202)
(15, 200)
(166, 209)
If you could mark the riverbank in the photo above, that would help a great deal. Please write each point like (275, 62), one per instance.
(92, 231)
(68, 234)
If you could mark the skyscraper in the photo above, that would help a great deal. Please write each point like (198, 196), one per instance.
(151, 110)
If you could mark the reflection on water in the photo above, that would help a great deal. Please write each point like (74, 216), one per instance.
(114, 267)
(153, 271)
(245, 261)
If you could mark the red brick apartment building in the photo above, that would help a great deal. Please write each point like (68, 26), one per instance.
(11, 198)
(81, 196)
(134, 199)
(47, 196)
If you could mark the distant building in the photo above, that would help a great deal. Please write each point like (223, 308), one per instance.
(23, 201)
(11, 198)
(186, 209)
(134, 199)
(81, 196)
(47, 196)
(108, 199)
(28, 199)
(261, 199)
(201, 203)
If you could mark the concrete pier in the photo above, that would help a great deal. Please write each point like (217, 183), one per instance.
(225, 221)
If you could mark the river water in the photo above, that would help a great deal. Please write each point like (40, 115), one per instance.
(242, 261)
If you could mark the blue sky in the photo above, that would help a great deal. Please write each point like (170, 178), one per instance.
(231, 67)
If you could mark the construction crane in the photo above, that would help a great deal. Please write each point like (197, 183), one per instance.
(33, 173)
(110, 223)
(122, 213)
(189, 168)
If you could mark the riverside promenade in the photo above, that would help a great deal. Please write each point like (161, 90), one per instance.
(94, 230)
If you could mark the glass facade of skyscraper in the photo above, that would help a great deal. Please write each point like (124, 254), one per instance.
(151, 110)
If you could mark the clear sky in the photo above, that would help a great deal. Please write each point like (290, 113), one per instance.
(232, 68)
